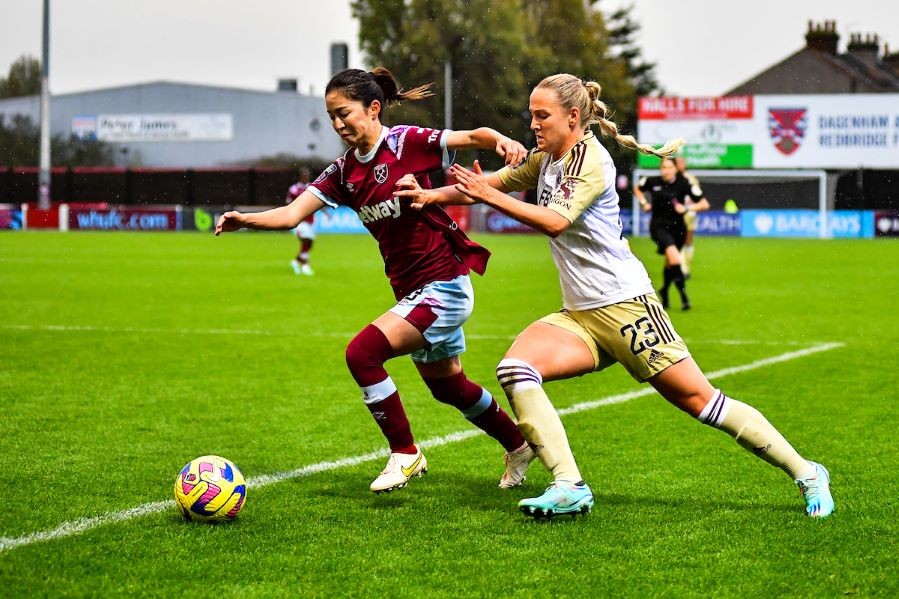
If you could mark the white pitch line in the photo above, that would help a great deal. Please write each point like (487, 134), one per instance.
(801, 353)
(74, 527)
(336, 334)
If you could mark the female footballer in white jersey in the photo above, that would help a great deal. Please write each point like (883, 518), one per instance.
(610, 311)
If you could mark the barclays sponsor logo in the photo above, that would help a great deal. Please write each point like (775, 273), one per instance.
(779, 223)
(801, 223)
(763, 223)
(846, 223)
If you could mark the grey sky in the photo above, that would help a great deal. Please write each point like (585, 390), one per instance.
(701, 47)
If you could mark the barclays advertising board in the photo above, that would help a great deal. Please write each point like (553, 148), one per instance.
(805, 223)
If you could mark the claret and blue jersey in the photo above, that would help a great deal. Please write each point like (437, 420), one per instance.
(418, 247)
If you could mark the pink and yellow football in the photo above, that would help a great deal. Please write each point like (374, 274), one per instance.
(210, 489)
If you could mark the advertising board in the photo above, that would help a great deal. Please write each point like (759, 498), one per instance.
(814, 131)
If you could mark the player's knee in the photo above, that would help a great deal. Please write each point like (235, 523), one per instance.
(708, 408)
(369, 349)
(513, 373)
(356, 355)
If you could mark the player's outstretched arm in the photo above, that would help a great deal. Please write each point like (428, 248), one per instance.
(478, 187)
(408, 188)
(486, 138)
(283, 217)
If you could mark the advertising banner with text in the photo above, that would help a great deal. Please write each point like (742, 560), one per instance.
(804, 223)
(823, 131)
(123, 219)
(154, 127)
(711, 222)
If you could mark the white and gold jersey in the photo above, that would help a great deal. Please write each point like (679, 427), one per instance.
(595, 263)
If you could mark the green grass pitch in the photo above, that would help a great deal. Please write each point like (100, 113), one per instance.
(123, 356)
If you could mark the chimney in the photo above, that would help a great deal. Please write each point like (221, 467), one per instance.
(891, 60)
(287, 85)
(865, 48)
(340, 53)
(822, 37)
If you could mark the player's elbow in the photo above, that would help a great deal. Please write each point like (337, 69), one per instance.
(556, 227)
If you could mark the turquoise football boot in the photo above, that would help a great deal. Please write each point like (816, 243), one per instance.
(816, 492)
(560, 498)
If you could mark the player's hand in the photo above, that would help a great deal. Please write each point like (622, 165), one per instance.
(679, 208)
(229, 221)
(472, 183)
(408, 187)
(512, 151)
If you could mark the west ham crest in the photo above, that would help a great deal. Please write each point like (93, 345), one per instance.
(787, 128)
(381, 173)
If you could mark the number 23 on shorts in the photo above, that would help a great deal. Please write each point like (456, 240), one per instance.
(642, 335)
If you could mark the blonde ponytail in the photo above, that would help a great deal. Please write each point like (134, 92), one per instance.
(573, 92)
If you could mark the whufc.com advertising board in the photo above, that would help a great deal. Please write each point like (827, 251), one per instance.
(824, 131)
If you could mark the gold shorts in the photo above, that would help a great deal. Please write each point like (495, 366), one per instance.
(636, 332)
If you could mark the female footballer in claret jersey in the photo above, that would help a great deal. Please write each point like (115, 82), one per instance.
(610, 312)
(426, 257)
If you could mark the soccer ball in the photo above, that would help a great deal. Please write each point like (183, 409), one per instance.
(210, 489)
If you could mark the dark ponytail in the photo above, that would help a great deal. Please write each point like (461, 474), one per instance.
(379, 84)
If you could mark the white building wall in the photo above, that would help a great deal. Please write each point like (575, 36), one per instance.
(264, 123)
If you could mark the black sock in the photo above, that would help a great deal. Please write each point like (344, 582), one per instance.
(679, 280)
(668, 276)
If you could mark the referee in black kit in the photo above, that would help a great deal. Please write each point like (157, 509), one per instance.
(669, 193)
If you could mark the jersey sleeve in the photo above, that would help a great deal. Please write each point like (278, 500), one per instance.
(582, 182)
(525, 175)
(421, 149)
(327, 187)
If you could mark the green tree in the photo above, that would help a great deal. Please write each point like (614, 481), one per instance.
(415, 38)
(23, 79)
(623, 32)
(499, 49)
(571, 37)
(19, 141)
(20, 146)
(81, 151)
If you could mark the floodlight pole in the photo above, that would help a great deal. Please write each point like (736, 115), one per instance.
(43, 199)
(447, 95)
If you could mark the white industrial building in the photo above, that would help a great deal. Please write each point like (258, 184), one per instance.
(165, 124)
